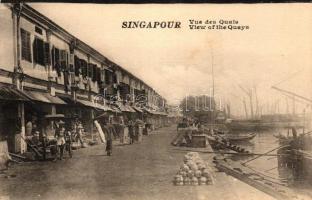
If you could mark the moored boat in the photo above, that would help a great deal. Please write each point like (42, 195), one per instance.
(239, 137)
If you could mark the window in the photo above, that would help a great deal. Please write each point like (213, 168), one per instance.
(59, 60)
(63, 60)
(84, 66)
(77, 66)
(102, 71)
(38, 30)
(98, 75)
(114, 78)
(38, 49)
(26, 50)
(109, 75)
(90, 70)
(55, 58)
(95, 71)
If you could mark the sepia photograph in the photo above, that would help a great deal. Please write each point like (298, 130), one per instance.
(155, 101)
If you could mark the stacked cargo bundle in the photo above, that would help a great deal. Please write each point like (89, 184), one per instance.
(194, 171)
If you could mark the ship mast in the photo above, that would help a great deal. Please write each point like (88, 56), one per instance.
(213, 90)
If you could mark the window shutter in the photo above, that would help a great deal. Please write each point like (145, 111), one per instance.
(40, 52)
(98, 75)
(57, 56)
(90, 69)
(53, 58)
(57, 64)
(94, 72)
(83, 66)
(63, 59)
(114, 77)
(77, 66)
(107, 77)
(28, 47)
(47, 57)
(38, 49)
(25, 47)
(102, 75)
(35, 51)
(24, 43)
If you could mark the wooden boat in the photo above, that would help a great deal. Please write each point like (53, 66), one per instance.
(239, 137)
(256, 125)
(217, 142)
(298, 157)
(283, 139)
(270, 185)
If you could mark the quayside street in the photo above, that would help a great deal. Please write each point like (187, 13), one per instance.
(140, 171)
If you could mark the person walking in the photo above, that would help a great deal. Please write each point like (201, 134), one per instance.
(131, 131)
(68, 143)
(77, 130)
(60, 137)
(109, 145)
(80, 133)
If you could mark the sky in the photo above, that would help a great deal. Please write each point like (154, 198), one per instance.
(276, 49)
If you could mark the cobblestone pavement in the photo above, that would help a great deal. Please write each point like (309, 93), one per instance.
(140, 171)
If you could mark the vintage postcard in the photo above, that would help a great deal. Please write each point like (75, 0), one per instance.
(155, 101)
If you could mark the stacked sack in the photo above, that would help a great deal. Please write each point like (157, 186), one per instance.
(194, 171)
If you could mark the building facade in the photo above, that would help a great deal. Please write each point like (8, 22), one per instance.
(46, 70)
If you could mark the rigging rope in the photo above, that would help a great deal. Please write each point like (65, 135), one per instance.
(288, 77)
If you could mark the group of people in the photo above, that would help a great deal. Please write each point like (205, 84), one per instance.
(64, 134)
(111, 132)
(189, 122)
(63, 138)
(67, 132)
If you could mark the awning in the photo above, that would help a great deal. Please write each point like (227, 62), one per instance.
(94, 105)
(130, 109)
(163, 113)
(121, 107)
(124, 108)
(43, 97)
(67, 99)
(157, 113)
(82, 102)
(149, 111)
(115, 109)
(86, 103)
(103, 107)
(11, 94)
(153, 112)
(137, 109)
(174, 115)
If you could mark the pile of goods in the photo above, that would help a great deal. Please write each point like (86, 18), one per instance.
(194, 171)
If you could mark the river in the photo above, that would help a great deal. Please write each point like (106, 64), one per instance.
(263, 143)
(268, 165)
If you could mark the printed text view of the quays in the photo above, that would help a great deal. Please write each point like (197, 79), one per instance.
(157, 102)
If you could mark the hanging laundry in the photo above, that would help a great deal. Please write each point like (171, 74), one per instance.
(84, 66)
(57, 64)
(102, 74)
